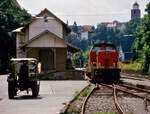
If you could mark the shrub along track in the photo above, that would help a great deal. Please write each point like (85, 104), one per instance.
(123, 88)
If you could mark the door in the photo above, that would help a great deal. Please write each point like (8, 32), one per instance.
(46, 59)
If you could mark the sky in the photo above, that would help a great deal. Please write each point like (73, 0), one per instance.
(85, 12)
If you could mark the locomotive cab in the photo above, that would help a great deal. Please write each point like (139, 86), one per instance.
(102, 66)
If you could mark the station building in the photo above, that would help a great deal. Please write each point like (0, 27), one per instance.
(44, 38)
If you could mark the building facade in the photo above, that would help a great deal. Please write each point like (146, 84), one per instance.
(81, 31)
(43, 38)
(115, 24)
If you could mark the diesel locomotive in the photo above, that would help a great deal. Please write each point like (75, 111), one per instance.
(102, 66)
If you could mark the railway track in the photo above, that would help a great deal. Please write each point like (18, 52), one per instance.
(119, 108)
(123, 88)
(86, 99)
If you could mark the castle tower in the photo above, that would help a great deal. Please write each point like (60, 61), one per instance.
(135, 11)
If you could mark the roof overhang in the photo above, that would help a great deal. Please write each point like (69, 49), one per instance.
(72, 48)
(18, 30)
(39, 36)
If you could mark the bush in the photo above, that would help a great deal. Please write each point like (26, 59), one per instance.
(131, 66)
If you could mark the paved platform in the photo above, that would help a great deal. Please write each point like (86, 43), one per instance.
(141, 82)
(53, 96)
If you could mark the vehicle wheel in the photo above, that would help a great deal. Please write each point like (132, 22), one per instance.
(11, 90)
(35, 90)
(38, 88)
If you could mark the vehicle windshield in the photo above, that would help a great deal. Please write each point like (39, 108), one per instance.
(96, 49)
(32, 67)
(110, 48)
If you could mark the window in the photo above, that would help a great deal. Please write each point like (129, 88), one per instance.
(45, 18)
(96, 49)
(109, 48)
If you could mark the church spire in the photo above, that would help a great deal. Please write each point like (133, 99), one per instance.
(135, 11)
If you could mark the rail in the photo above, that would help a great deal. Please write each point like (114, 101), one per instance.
(130, 92)
(136, 88)
(119, 108)
(86, 99)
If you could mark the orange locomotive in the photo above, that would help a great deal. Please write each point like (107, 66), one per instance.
(102, 66)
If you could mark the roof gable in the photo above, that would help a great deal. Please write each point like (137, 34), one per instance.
(69, 46)
(47, 39)
(46, 12)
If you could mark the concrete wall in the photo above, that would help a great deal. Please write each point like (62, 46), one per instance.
(17, 40)
(20, 40)
(64, 75)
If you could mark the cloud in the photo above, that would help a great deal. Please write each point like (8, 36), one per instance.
(85, 11)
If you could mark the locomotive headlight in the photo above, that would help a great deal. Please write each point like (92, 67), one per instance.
(99, 64)
(114, 64)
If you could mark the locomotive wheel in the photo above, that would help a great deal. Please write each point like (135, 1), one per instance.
(11, 90)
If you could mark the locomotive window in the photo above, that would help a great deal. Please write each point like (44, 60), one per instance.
(109, 48)
(96, 48)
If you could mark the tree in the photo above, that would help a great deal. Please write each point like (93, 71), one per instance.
(78, 59)
(142, 42)
(132, 25)
(104, 34)
(86, 55)
(130, 29)
(11, 17)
